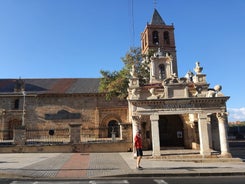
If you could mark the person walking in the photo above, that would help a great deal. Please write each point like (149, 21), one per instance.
(138, 146)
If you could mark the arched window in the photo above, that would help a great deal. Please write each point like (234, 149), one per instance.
(155, 37)
(162, 71)
(16, 104)
(113, 126)
(166, 37)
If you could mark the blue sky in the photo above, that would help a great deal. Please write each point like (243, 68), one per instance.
(78, 38)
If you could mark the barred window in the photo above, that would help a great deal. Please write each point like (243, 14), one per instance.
(113, 127)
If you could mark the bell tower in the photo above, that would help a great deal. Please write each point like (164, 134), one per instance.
(157, 35)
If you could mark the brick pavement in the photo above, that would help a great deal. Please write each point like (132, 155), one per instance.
(93, 165)
(75, 167)
(107, 164)
(45, 168)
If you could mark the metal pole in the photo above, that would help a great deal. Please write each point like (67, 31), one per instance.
(23, 112)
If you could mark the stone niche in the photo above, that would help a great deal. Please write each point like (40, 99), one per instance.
(62, 114)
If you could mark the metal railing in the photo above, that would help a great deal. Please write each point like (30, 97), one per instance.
(47, 136)
(98, 135)
(61, 136)
(6, 137)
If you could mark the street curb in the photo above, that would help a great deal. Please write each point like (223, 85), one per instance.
(176, 175)
(143, 175)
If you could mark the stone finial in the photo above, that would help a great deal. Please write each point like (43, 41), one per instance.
(133, 72)
(198, 69)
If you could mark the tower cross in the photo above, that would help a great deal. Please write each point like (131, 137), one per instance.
(155, 3)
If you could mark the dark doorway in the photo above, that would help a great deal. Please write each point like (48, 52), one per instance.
(12, 125)
(171, 131)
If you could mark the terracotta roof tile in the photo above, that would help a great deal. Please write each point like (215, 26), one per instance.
(59, 85)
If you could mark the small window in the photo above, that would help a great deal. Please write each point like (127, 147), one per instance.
(161, 71)
(166, 37)
(16, 104)
(155, 37)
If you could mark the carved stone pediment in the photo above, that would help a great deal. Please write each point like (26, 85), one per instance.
(180, 104)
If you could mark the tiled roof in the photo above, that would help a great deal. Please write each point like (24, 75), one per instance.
(59, 85)
(157, 19)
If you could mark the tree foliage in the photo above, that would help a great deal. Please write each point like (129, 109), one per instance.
(116, 83)
(239, 123)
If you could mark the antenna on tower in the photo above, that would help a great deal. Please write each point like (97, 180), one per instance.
(155, 4)
(131, 8)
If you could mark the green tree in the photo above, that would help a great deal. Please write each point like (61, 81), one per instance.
(116, 83)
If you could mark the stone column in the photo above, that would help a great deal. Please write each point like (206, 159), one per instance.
(155, 135)
(204, 135)
(75, 136)
(2, 122)
(136, 127)
(224, 146)
(209, 131)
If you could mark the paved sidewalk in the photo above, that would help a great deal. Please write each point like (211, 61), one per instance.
(94, 165)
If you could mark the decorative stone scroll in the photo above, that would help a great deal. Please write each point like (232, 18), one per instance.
(134, 94)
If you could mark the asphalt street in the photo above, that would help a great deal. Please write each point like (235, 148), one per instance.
(164, 180)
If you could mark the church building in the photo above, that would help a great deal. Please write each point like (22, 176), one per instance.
(171, 111)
